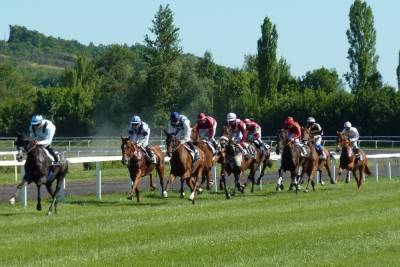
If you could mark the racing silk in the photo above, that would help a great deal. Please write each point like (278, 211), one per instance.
(352, 134)
(207, 129)
(253, 132)
(140, 135)
(182, 129)
(238, 131)
(295, 131)
(44, 135)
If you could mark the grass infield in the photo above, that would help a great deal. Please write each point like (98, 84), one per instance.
(337, 225)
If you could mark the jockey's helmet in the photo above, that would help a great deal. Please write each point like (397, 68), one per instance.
(36, 120)
(247, 121)
(136, 120)
(174, 117)
(231, 117)
(310, 120)
(201, 118)
(347, 124)
(289, 121)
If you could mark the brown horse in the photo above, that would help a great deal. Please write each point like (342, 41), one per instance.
(291, 160)
(134, 157)
(210, 160)
(182, 165)
(348, 160)
(310, 164)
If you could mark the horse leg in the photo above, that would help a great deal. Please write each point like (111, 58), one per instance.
(136, 185)
(39, 204)
(354, 171)
(171, 178)
(160, 171)
(16, 194)
(53, 196)
(182, 194)
(264, 166)
(328, 170)
(348, 177)
(152, 185)
(339, 174)
(361, 176)
(252, 175)
(189, 182)
(279, 184)
(197, 183)
(223, 180)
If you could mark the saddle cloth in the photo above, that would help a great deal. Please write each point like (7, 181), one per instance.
(191, 152)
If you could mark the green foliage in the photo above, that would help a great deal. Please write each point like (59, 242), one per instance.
(361, 54)
(161, 55)
(267, 63)
(322, 79)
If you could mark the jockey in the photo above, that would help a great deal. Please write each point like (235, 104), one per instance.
(253, 130)
(238, 131)
(316, 132)
(353, 135)
(139, 132)
(295, 133)
(206, 127)
(180, 127)
(43, 132)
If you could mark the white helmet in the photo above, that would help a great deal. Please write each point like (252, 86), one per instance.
(36, 119)
(347, 124)
(231, 117)
(310, 120)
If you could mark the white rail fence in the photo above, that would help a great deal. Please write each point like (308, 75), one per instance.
(377, 158)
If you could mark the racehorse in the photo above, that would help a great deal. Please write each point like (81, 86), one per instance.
(235, 163)
(348, 160)
(134, 157)
(310, 164)
(182, 165)
(39, 169)
(209, 156)
(291, 160)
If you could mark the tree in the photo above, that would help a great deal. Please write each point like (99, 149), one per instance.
(361, 54)
(322, 79)
(398, 74)
(161, 55)
(267, 63)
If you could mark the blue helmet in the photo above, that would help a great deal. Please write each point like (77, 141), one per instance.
(174, 117)
(36, 119)
(136, 120)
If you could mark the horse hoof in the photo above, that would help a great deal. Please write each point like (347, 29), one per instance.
(12, 201)
(192, 196)
(39, 207)
(306, 191)
(322, 183)
(129, 198)
(200, 190)
(165, 194)
(49, 213)
(153, 188)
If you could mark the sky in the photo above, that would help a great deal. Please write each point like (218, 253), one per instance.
(312, 33)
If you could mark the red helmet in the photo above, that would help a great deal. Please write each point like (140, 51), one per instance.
(289, 121)
(201, 117)
(247, 121)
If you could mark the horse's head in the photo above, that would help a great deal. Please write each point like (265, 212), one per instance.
(24, 144)
(129, 149)
(282, 140)
(171, 142)
(341, 140)
(306, 135)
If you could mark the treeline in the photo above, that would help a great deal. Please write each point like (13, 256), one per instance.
(108, 84)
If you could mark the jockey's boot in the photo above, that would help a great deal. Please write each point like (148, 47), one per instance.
(321, 154)
(303, 151)
(196, 155)
(151, 156)
(56, 161)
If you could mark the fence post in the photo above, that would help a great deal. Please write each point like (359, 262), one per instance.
(376, 170)
(98, 180)
(259, 173)
(69, 145)
(389, 170)
(214, 177)
(334, 168)
(15, 168)
(129, 184)
(62, 190)
(24, 191)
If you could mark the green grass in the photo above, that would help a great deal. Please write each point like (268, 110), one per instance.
(334, 226)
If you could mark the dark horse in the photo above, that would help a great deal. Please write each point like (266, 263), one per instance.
(39, 169)
(235, 163)
(348, 160)
(291, 160)
(134, 157)
(182, 165)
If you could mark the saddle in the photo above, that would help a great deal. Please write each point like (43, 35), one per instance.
(147, 155)
(194, 153)
(210, 146)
